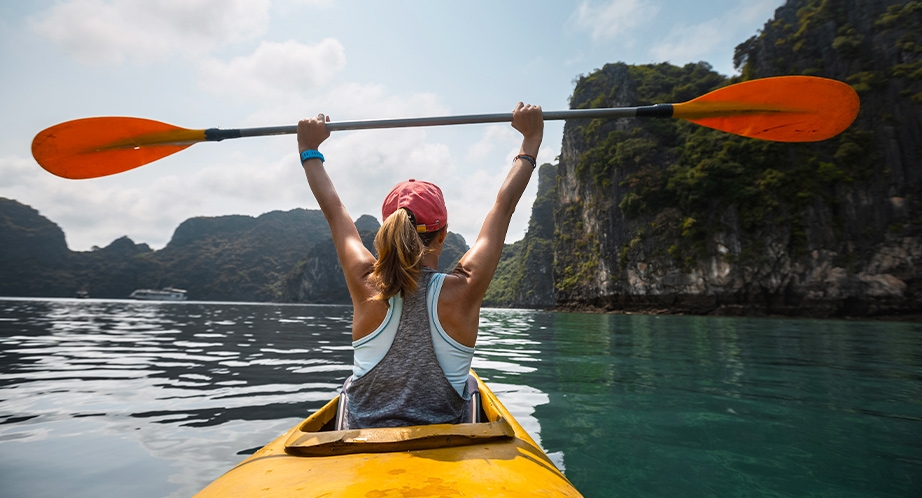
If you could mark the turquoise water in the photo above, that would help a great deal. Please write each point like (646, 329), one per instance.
(118, 398)
(691, 406)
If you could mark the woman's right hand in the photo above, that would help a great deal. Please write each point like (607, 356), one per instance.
(312, 132)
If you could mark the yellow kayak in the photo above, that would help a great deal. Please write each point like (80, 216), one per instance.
(495, 457)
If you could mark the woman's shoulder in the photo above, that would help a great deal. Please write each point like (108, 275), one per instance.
(459, 309)
(458, 296)
(367, 316)
(455, 280)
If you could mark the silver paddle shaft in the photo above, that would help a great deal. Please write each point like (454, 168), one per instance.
(659, 110)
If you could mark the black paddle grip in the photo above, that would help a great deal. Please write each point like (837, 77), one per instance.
(655, 111)
(217, 134)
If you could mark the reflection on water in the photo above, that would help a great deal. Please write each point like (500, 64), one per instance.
(157, 399)
(506, 349)
(118, 398)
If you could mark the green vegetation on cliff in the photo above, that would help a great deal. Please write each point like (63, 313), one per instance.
(524, 275)
(682, 177)
(667, 214)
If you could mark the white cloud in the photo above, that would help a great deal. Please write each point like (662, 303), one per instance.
(96, 212)
(246, 176)
(16, 172)
(365, 165)
(471, 194)
(275, 69)
(357, 101)
(246, 179)
(493, 134)
(754, 11)
(251, 178)
(686, 43)
(344, 102)
(615, 18)
(698, 42)
(100, 32)
(320, 3)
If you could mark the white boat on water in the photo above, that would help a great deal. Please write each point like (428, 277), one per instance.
(167, 294)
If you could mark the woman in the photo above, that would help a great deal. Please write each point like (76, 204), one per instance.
(414, 330)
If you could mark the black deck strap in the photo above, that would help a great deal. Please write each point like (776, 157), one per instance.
(217, 134)
(655, 111)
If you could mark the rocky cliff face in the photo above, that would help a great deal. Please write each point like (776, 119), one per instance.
(664, 215)
(318, 277)
(524, 278)
(31, 245)
(238, 258)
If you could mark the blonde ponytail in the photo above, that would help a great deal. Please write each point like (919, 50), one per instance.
(400, 254)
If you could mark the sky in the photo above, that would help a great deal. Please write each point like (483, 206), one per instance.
(249, 63)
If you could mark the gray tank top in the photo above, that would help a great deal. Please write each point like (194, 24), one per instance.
(408, 386)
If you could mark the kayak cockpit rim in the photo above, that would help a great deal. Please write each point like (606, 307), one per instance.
(315, 437)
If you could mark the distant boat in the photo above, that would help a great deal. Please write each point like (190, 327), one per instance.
(167, 294)
(83, 293)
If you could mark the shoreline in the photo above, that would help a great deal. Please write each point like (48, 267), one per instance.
(739, 311)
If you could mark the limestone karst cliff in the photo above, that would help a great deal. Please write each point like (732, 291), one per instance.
(665, 215)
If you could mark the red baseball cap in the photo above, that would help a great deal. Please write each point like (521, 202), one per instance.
(423, 200)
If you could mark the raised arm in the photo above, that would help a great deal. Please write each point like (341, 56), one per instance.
(475, 270)
(356, 260)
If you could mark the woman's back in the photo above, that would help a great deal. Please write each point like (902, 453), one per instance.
(408, 384)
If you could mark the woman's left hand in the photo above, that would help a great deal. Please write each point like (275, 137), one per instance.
(529, 121)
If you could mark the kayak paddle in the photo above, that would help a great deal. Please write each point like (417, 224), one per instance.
(781, 109)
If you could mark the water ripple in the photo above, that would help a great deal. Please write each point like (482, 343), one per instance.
(171, 395)
(151, 372)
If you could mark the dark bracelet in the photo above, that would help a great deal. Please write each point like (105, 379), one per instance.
(531, 159)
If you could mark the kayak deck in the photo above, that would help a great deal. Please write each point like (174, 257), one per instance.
(492, 458)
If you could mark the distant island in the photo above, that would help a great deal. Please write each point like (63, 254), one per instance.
(278, 257)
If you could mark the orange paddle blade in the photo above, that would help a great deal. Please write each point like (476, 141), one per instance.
(94, 147)
(781, 109)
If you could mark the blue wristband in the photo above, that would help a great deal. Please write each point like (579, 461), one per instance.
(310, 154)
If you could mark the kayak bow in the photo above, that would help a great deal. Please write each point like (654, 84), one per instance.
(492, 458)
